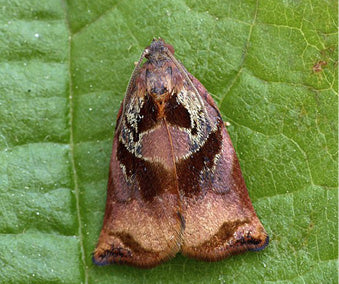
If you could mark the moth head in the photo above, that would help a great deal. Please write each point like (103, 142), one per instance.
(159, 70)
(157, 51)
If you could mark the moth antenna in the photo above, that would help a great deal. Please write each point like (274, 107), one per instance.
(131, 80)
(184, 72)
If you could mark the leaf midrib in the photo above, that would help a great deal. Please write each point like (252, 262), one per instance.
(71, 144)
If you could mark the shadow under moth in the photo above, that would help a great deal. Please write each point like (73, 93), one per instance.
(175, 183)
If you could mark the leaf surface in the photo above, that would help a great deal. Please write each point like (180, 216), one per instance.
(64, 71)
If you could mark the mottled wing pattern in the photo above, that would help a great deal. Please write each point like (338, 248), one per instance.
(142, 223)
(175, 182)
(220, 219)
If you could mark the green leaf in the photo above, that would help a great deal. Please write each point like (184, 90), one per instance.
(271, 67)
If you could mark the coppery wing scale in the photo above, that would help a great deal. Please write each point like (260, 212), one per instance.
(142, 224)
(220, 218)
(175, 182)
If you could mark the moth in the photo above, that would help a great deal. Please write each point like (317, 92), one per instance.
(175, 183)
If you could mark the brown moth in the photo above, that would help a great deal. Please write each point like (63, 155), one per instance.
(175, 183)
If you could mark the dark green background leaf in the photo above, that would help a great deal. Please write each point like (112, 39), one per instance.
(63, 72)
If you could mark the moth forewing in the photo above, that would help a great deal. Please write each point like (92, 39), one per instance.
(130, 83)
(175, 182)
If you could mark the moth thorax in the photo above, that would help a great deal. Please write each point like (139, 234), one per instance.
(159, 84)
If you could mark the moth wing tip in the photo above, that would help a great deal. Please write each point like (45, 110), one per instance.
(99, 261)
(262, 245)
